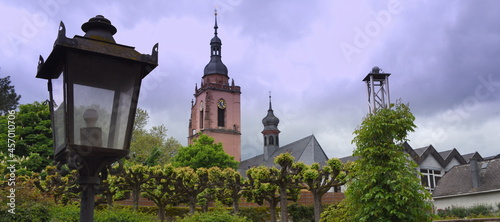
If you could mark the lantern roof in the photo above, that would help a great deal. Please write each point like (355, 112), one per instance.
(99, 40)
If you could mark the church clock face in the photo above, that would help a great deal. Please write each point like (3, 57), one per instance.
(221, 104)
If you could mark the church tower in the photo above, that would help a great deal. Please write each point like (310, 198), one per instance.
(216, 108)
(270, 132)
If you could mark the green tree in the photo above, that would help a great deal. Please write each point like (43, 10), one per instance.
(260, 191)
(204, 153)
(230, 186)
(33, 135)
(110, 189)
(320, 179)
(161, 188)
(59, 184)
(384, 184)
(191, 183)
(132, 178)
(8, 97)
(275, 185)
(151, 147)
(287, 180)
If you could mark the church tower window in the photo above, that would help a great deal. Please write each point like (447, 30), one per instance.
(221, 114)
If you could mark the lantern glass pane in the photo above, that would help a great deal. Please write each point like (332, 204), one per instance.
(103, 95)
(92, 115)
(58, 128)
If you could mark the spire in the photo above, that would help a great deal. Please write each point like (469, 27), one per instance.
(270, 132)
(215, 26)
(270, 107)
(270, 122)
(215, 66)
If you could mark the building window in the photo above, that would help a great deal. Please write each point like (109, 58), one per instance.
(430, 178)
(265, 140)
(271, 140)
(221, 115)
(337, 189)
(201, 119)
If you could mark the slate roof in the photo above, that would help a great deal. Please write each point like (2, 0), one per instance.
(469, 156)
(420, 154)
(306, 150)
(458, 181)
(443, 158)
(348, 159)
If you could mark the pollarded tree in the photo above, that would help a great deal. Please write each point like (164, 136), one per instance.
(319, 179)
(190, 183)
(384, 184)
(228, 186)
(260, 191)
(161, 188)
(287, 180)
(204, 153)
(275, 185)
(60, 184)
(131, 178)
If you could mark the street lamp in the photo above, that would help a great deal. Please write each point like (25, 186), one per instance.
(93, 105)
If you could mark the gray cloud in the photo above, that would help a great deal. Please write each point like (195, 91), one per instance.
(439, 54)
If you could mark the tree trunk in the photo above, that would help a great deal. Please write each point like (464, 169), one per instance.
(192, 204)
(283, 205)
(135, 197)
(317, 206)
(161, 213)
(204, 207)
(272, 207)
(236, 205)
(109, 198)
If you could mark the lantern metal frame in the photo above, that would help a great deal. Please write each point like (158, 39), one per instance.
(91, 160)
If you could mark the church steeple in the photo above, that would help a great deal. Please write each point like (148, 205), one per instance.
(216, 110)
(270, 132)
(215, 66)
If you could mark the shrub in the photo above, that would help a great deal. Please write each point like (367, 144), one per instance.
(122, 215)
(217, 215)
(462, 212)
(480, 209)
(301, 213)
(34, 212)
(256, 214)
(335, 212)
(68, 213)
(71, 213)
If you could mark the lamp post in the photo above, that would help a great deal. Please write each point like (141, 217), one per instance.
(93, 105)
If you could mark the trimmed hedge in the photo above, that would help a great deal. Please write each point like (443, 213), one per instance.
(462, 212)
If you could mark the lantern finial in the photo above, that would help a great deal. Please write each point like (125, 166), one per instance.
(99, 28)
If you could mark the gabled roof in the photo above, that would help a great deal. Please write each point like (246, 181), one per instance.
(458, 181)
(420, 154)
(443, 158)
(348, 159)
(475, 155)
(306, 150)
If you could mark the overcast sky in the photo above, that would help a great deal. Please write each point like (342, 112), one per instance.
(443, 56)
